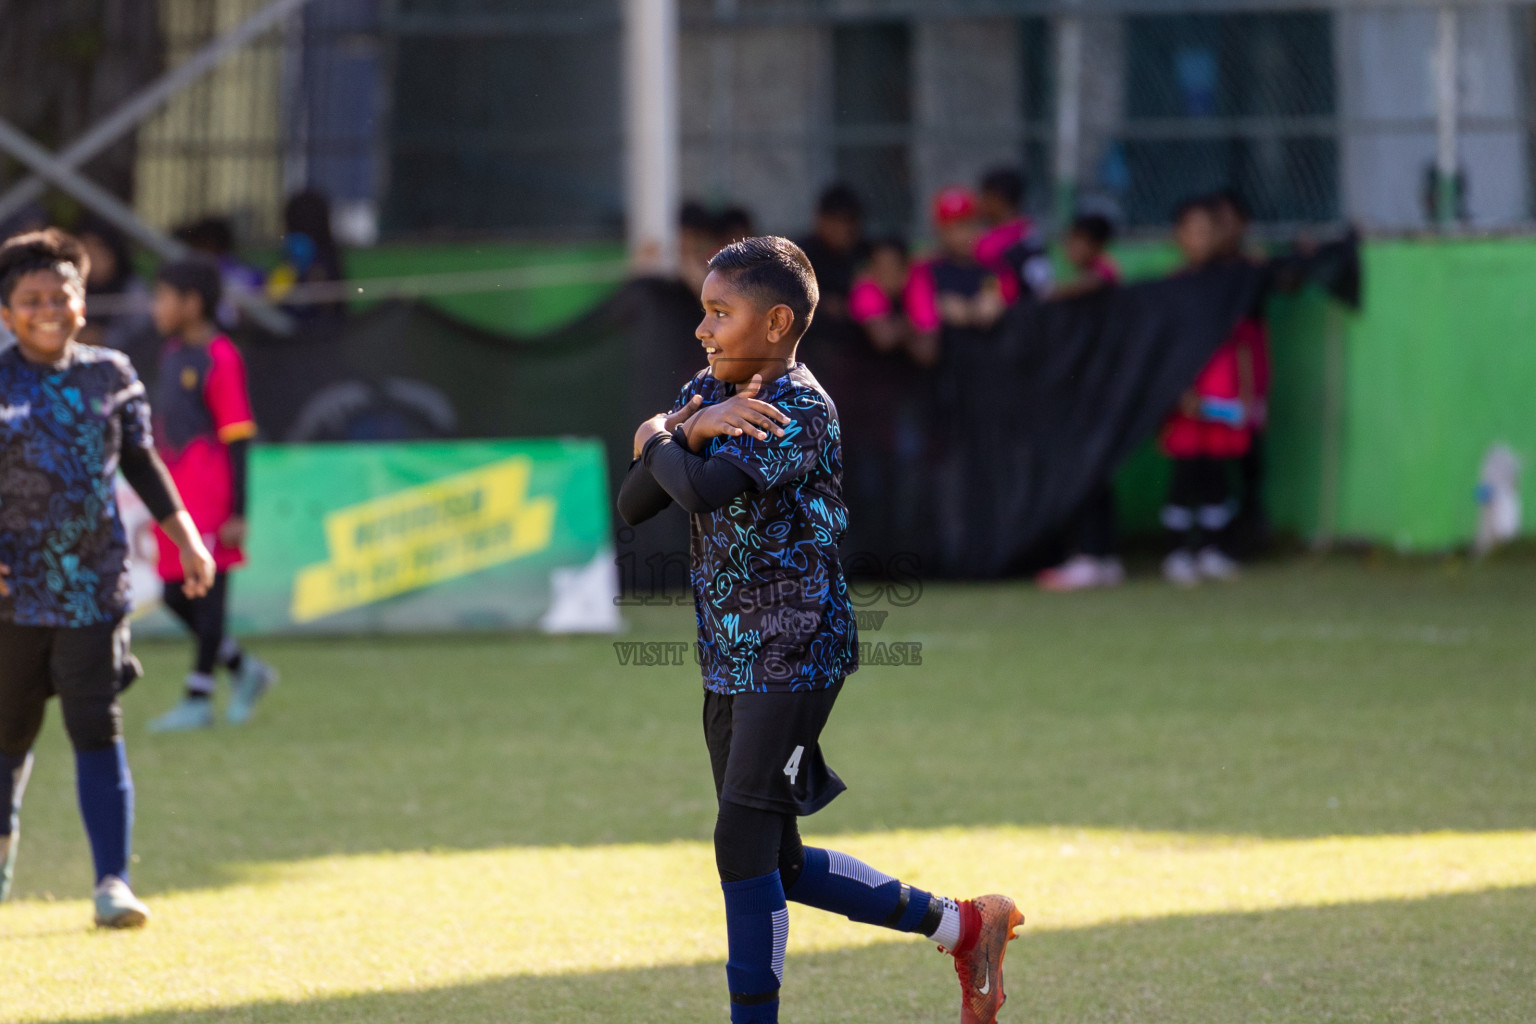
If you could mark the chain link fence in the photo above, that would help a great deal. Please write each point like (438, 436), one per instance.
(1316, 114)
(478, 118)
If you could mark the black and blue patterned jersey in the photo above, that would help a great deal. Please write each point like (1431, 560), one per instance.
(768, 587)
(62, 431)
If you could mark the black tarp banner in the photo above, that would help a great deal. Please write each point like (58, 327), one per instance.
(969, 468)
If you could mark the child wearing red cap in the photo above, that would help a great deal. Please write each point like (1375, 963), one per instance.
(955, 298)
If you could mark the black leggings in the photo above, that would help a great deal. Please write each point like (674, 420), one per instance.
(1199, 482)
(1199, 503)
(204, 616)
(750, 843)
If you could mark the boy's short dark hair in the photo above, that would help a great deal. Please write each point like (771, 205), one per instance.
(1007, 183)
(840, 200)
(773, 271)
(48, 249)
(1095, 227)
(197, 276)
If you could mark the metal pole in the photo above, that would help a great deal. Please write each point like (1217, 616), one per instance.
(115, 211)
(1069, 87)
(651, 132)
(1445, 117)
(149, 99)
(722, 101)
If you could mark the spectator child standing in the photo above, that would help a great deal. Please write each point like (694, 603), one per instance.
(955, 297)
(875, 302)
(1087, 251)
(836, 248)
(1208, 430)
(203, 427)
(1011, 240)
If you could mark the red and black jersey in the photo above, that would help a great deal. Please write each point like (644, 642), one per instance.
(201, 406)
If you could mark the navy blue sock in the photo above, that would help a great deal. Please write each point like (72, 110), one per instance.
(756, 928)
(106, 805)
(844, 885)
(13, 781)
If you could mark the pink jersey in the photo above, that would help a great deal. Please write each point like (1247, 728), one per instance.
(868, 301)
(992, 248)
(1186, 436)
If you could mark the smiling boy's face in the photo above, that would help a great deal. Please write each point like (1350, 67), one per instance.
(45, 311)
(739, 336)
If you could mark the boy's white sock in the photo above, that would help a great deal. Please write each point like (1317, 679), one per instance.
(947, 934)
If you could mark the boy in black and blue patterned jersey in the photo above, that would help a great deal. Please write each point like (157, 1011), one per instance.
(752, 450)
(71, 416)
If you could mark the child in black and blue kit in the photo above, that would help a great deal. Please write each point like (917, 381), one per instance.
(752, 450)
(71, 416)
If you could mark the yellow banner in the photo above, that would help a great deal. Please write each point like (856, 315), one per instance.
(424, 535)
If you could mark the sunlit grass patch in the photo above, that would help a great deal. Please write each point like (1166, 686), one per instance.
(405, 922)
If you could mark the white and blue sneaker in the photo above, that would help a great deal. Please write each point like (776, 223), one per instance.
(190, 714)
(251, 683)
(117, 906)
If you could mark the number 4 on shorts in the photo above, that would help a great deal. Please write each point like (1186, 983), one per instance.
(792, 768)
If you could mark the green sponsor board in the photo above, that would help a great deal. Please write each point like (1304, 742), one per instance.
(422, 536)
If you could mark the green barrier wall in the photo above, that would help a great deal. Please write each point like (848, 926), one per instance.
(520, 311)
(1441, 364)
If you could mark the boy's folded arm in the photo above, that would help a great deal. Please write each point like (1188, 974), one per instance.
(697, 484)
(640, 496)
(149, 478)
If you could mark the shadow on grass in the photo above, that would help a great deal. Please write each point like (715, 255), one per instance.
(1462, 958)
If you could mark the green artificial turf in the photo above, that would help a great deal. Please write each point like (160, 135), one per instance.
(1313, 699)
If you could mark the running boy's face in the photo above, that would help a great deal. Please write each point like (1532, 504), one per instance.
(45, 310)
(176, 312)
(1195, 234)
(740, 336)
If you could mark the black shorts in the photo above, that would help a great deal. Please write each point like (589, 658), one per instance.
(765, 749)
(86, 666)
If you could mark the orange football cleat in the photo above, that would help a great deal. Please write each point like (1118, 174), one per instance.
(989, 922)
